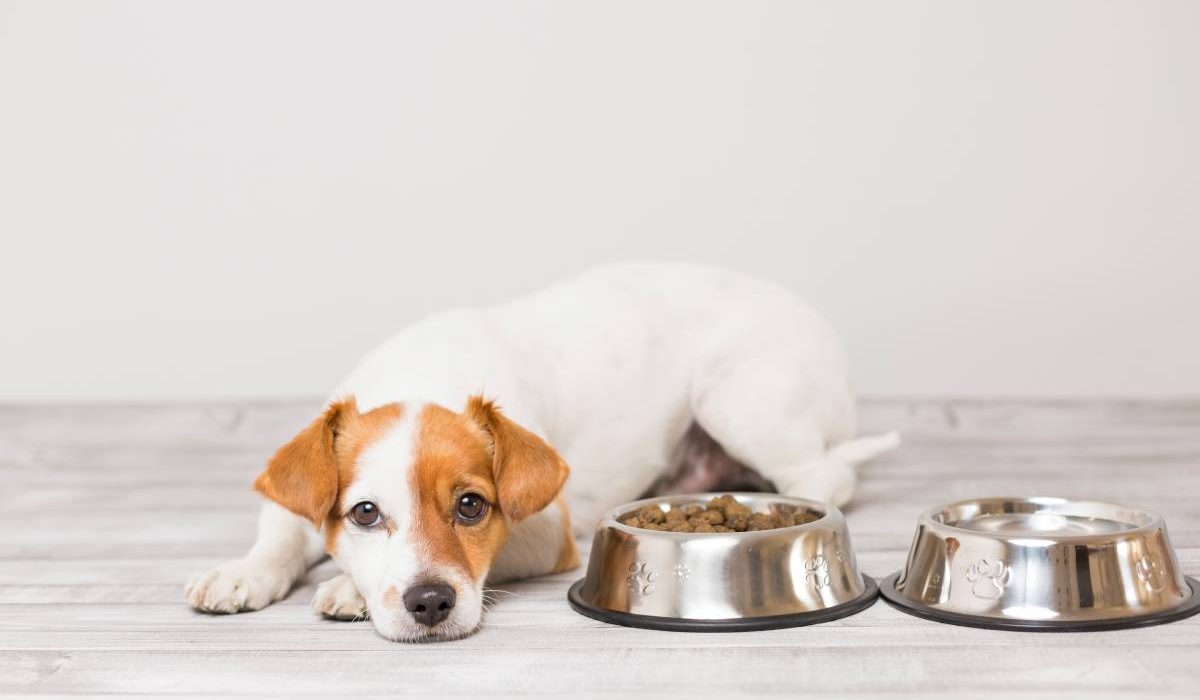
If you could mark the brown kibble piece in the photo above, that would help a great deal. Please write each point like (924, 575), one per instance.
(651, 514)
(760, 521)
(737, 522)
(733, 509)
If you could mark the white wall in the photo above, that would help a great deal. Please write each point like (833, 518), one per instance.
(237, 199)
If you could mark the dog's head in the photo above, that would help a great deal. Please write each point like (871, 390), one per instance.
(415, 501)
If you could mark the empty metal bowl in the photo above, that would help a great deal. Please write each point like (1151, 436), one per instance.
(723, 582)
(1042, 564)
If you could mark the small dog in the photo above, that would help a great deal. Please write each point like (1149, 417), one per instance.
(637, 375)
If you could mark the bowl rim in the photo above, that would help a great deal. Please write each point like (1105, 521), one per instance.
(829, 514)
(1155, 520)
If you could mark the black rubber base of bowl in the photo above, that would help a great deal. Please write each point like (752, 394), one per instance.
(740, 624)
(887, 588)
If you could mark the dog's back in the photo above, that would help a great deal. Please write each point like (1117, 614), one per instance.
(612, 366)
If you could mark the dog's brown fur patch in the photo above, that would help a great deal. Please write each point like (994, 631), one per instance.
(527, 471)
(302, 475)
(357, 432)
(480, 451)
(453, 457)
(308, 473)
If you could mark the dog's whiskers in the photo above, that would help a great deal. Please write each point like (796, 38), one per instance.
(500, 590)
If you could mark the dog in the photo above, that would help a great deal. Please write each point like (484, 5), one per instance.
(439, 463)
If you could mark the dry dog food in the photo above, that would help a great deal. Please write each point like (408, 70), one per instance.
(720, 514)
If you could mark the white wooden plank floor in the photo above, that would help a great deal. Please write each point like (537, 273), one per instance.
(105, 511)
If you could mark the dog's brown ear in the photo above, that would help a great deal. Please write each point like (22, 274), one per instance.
(303, 474)
(528, 472)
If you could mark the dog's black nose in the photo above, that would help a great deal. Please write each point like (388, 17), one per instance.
(429, 604)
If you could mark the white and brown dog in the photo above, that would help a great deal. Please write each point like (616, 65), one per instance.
(639, 376)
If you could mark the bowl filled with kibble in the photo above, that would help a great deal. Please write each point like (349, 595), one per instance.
(721, 563)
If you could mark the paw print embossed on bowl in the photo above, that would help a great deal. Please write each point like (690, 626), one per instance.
(816, 572)
(641, 578)
(988, 578)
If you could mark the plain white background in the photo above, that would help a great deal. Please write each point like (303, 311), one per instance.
(238, 199)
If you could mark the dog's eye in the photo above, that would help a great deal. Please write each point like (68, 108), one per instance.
(471, 508)
(365, 514)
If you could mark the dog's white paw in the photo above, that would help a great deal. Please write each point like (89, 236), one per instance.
(238, 586)
(339, 598)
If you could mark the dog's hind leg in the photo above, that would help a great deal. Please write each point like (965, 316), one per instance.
(699, 463)
(286, 546)
(790, 420)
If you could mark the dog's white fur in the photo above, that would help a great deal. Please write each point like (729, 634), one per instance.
(610, 369)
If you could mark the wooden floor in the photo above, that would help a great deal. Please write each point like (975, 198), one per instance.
(106, 510)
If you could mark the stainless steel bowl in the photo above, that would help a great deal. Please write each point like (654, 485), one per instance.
(722, 582)
(1046, 564)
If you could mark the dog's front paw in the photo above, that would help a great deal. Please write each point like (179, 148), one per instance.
(339, 598)
(238, 586)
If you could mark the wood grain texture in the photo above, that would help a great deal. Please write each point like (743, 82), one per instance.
(106, 510)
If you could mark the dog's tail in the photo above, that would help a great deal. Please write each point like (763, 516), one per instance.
(832, 477)
(863, 449)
